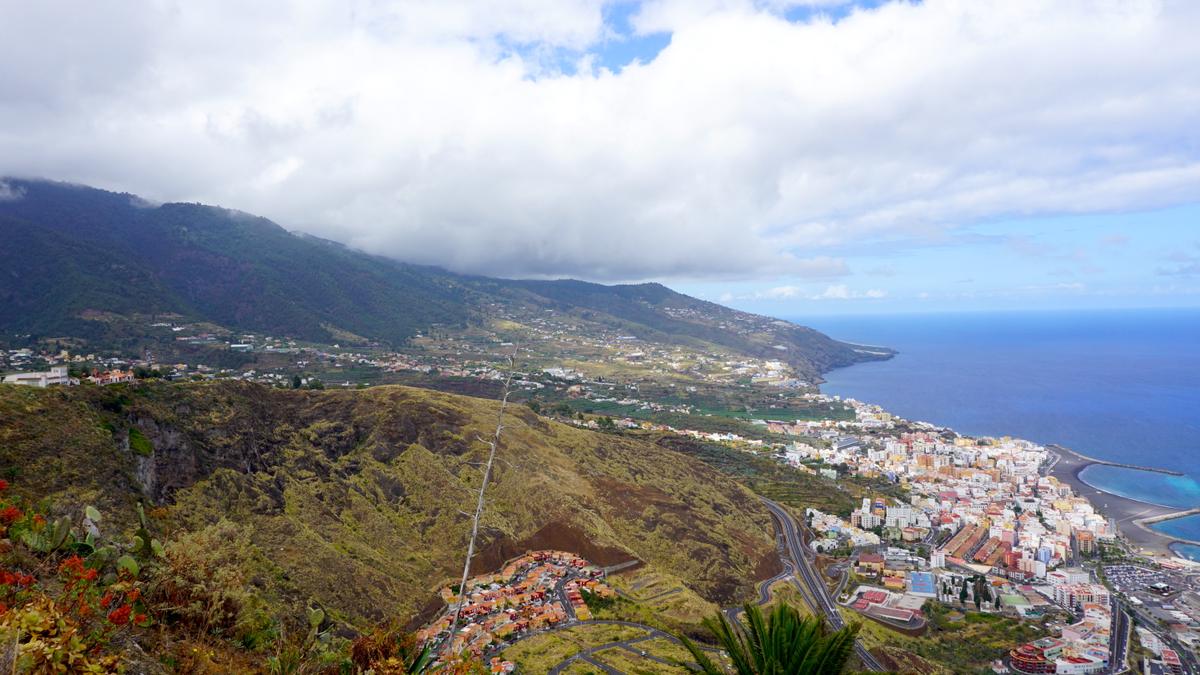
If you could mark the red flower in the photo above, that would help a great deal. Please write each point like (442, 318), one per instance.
(106, 600)
(133, 595)
(141, 619)
(25, 580)
(7, 578)
(89, 574)
(39, 521)
(74, 565)
(120, 615)
(3, 485)
(10, 514)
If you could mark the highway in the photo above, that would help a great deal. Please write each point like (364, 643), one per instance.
(1143, 616)
(1118, 653)
(817, 594)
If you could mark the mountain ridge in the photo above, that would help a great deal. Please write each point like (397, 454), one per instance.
(77, 249)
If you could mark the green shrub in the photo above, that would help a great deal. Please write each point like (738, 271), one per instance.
(201, 586)
(139, 443)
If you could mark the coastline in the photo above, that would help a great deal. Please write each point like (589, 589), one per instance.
(1132, 517)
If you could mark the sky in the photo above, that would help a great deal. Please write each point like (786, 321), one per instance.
(781, 156)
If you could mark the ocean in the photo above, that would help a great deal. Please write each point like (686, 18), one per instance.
(1121, 385)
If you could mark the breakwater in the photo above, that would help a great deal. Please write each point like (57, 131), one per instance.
(1120, 465)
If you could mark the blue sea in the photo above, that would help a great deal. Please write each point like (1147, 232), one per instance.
(1117, 385)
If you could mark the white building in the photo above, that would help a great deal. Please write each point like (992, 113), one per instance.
(56, 375)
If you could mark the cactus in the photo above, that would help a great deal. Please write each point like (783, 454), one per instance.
(316, 616)
(51, 537)
(59, 533)
(100, 557)
(128, 564)
(143, 543)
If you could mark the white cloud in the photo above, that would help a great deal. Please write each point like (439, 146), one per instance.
(830, 292)
(9, 193)
(744, 149)
(843, 292)
(779, 292)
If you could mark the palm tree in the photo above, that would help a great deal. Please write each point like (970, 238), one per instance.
(785, 643)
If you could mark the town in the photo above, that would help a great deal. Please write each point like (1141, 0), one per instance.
(988, 510)
(974, 524)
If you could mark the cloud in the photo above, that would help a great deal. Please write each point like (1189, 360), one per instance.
(489, 140)
(1183, 264)
(779, 293)
(842, 292)
(830, 292)
(9, 193)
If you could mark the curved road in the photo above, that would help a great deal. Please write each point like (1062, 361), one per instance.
(817, 593)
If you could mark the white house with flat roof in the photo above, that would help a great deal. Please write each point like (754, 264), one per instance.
(56, 375)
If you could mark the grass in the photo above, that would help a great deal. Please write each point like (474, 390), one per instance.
(582, 668)
(649, 589)
(327, 482)
(139, 443)
(540, 653)
(632, 664)
(665, 649)
(784, 591)
(771, 478)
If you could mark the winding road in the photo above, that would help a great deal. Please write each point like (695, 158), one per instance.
(816, 594)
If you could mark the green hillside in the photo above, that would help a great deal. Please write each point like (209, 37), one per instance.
(364, 490)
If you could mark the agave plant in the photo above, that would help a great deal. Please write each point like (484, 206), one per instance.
(784, 643)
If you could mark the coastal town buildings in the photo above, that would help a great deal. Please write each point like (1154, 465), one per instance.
(1083, 647)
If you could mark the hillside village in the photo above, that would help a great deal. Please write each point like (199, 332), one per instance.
(537, 591)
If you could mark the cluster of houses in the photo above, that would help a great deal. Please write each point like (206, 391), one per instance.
(539, 590)
(1004, 514)
(834, 532)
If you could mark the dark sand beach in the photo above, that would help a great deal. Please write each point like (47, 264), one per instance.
(1127, 513)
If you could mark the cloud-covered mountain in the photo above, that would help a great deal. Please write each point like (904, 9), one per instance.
(74, 255)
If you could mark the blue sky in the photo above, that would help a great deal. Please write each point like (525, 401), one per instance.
(783, 156)
(1118, 260)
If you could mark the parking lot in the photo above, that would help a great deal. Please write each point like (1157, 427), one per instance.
(1131, 578)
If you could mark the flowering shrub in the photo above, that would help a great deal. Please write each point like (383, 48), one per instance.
(72, 604)
(59, 612)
